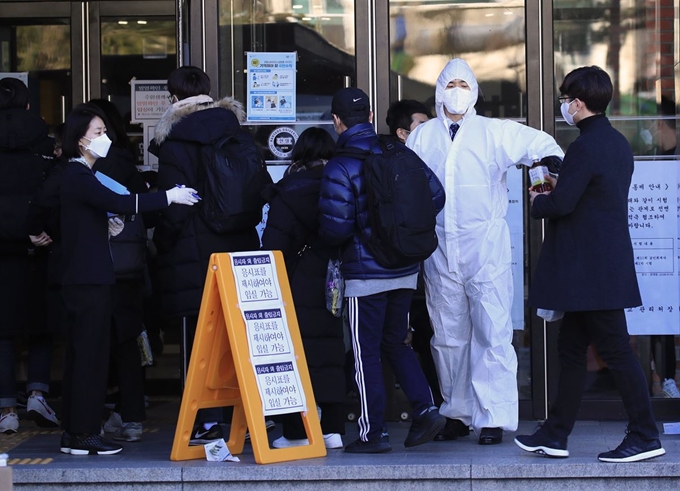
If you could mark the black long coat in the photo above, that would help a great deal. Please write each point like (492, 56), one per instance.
(183, 241)
(23, 142)
(586, 261)
(292, 224)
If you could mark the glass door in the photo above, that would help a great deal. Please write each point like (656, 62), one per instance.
(76, 51)
(321, 35)
(35, 39)
(638, 44)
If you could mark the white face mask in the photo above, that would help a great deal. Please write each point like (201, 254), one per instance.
(99, 146)
(569, 118)
(457, 100)
(647, 136)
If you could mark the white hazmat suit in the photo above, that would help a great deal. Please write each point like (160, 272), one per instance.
(468, 280)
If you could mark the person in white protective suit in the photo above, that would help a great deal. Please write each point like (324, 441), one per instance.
(468, 280)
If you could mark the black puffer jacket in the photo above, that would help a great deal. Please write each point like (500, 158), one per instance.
(184, 242)
(23, 142)
(292, 227)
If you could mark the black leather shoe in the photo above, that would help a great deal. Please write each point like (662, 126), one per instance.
(453, 430)
(490, 436)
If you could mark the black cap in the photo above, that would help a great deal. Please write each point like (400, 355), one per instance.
(351, 102)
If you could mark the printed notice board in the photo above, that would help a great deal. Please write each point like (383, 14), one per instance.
(271, 86)
(653, 225)
(269, 343)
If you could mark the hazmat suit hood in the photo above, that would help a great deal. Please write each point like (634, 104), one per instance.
(454, 69)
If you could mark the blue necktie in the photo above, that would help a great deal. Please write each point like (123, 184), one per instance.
(453, 129)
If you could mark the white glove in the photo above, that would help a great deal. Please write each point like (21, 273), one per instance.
(115, 226)
(182, 196)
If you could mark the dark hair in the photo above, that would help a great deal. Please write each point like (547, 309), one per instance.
(668, 108)
(188, 81)
(591, 85)
(314, 144)
(76, 125)
(350, 121)
(400, 114)
(116, 124)
(13, 94)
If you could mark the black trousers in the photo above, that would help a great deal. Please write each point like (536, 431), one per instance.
(127, 318)
(379, 325)
(608, 332)
(86, 366)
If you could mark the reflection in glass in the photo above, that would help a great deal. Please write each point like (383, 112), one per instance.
(488, 35)
(43, 50)
(636, 42)
(320, 31)
(139, 47)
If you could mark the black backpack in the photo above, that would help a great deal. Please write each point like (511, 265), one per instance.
(231, 178)
(401, 213)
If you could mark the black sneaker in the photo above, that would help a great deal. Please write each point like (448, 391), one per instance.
(377, 445)
(65, 443)
(453, 430)
(425, 427)
(201, 436)
(633, 449)
(540, 443)
(87, 444)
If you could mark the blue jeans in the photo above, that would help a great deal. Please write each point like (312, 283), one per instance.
(39, 365)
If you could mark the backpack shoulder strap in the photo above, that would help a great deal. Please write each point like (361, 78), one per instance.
(353, 152)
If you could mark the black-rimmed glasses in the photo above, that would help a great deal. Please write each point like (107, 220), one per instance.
(564, 98)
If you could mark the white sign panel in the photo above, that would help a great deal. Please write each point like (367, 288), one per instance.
(23, 76)
(149, 100)
(653, 225)
(270, 346)
(515, 220)
(271, 86)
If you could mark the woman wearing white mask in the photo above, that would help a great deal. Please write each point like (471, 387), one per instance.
(88, 275)
(468, 280)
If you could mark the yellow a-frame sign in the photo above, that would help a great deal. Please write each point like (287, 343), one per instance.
(221, 371)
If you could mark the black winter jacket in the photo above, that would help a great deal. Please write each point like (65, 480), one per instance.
(586, 261)
(344, 210)
(183, 241)
(23, 145)
(292, 227)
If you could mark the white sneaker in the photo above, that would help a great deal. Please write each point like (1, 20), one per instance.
(670, 389)
(283, 442)
(9, 423)
(333, 440)
(113, 423)
(39, 411)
